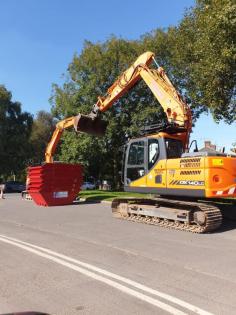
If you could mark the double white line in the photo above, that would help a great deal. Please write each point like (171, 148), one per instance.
(118, 282)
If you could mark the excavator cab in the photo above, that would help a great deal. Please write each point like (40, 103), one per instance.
(142, 154)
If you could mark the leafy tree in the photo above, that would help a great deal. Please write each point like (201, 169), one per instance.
(42, 129)
(199, 57)
(89, 76)
(15, 129)
(203, 57)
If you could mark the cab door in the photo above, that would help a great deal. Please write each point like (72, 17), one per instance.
(136, 163)
(156, 165)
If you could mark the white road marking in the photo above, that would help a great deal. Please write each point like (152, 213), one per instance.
(97, 277)
(46, 253)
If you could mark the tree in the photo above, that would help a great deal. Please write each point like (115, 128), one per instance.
(199, 57)
(89, 76)
(15, 129)
(43, 126)
(203, 57)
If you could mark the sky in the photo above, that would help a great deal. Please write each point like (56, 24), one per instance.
(38, 39)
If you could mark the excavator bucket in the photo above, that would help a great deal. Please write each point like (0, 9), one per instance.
(93, 126)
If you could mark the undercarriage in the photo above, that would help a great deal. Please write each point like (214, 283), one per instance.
(192, 216)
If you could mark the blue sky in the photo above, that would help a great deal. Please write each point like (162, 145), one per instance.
(38, 39)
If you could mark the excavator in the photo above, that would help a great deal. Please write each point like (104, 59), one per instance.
(182, 184)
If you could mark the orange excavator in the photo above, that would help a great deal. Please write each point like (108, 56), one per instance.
(159, 162)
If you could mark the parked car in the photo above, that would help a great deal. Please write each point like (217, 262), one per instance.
(87, 186)
(14, 186)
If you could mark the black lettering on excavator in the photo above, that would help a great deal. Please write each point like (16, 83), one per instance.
(187, 182)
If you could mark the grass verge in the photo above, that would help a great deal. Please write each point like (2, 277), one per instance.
(100, 195)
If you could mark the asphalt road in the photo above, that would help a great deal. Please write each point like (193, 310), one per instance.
(79, 260)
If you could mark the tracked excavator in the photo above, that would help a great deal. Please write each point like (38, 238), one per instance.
(159, 162)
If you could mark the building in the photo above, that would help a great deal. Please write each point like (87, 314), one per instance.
(208, 147)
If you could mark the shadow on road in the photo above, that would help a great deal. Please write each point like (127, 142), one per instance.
(98, 198)
(84, 202)
(229, 217)
(227, 225)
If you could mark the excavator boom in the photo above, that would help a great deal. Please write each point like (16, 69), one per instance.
(177, 111)
(56, 136)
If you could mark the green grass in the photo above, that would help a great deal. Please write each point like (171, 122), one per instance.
(100, 195)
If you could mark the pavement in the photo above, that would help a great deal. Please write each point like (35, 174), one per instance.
(77, 259)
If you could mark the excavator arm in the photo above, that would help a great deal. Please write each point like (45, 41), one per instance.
(52, 145)
(176, 109)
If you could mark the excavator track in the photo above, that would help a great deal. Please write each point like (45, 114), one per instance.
(203, 217)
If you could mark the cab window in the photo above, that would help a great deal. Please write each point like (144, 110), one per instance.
(136, 153)
(135, 166)
(153, 152)
(174, 148)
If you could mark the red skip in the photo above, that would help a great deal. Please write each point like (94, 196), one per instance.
(54, 184)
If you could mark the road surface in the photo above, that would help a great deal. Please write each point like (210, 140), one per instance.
(79, 260)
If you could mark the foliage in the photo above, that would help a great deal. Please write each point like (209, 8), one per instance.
(89, 76)
(199, 57)
(15, 129)
(42, 129)
(203, 56)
